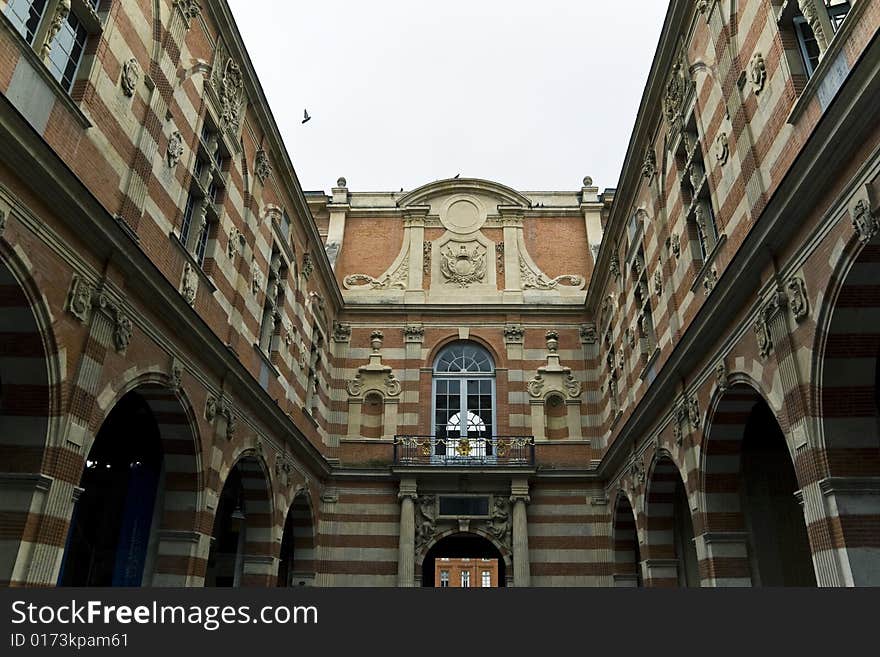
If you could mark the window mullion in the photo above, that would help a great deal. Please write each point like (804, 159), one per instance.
(39, 44)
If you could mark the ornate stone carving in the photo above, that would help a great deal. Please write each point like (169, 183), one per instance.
(3, 219)
(722, 377)
(341, 331)
(189, 284)
(864, 223)
(175, 378)
(174, 151)
(235, 244)
(539, 281)
(722, 149)
(262, 168)
(131, 75)
(514, 334)
(674, 97)
(572, 386)
(426, 257)
(79, 298)
(536, 386)
(588, 334)
(658, 282)
(499, 256)
(499, 524)
(811, 14)
(631, 337)
(307, 266)
(798, 302)
(465, 266)
(414, 333)
(231, 97)
(62, 10)
(649, 166)
(637, 470)
(221, 407)
(122, 330)
(189, 8)
(283, 470)
(758, 72)
(621, 358)
(256, 278)
(762, 335)
(693, 406)
(679, 422)
(392, 385)
(552, 339)
(375, 375)
(396, 279)
(614, 266)
(426, 520)
(710, 280)
(675, 245)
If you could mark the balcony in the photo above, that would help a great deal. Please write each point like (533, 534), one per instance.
(482, 451)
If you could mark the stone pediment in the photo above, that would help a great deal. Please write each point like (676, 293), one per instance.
(492, 193)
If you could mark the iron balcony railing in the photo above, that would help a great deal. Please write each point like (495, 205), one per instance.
(461, 451)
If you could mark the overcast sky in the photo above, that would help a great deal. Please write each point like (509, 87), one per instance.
(535, 95)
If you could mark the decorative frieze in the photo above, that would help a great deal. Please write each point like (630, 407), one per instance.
(394, 279)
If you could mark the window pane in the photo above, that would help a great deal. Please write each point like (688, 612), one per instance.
(25, 16)
(67, 50)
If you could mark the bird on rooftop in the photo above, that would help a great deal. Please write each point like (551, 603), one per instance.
(456, 176)
(306, 116)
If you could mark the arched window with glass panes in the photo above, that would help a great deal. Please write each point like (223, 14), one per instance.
(464, 402)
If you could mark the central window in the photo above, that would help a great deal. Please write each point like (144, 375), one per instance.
(464, 402)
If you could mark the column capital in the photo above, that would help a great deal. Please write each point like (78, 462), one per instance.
(408, 489)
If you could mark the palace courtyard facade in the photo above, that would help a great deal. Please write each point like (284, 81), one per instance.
(211, 377)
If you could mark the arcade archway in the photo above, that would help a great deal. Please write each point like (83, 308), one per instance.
(463, 560)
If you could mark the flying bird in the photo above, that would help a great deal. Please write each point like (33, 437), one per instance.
(306, 116)
(456, 176)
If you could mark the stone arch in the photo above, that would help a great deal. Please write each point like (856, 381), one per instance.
(30, 377)
(243, 546)
(754, 532)
(504, 554)
(625, 542)
(670, 557)
(846, 403)
(298, 559)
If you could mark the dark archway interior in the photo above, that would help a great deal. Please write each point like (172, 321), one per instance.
(227, 539)
(627, 556)
(460, 546)
(683, 535)
(110, 529)
(779, 550)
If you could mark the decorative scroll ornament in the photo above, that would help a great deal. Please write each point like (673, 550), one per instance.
(262, 168)
(231, 97)
(174, 151)
(395, 279)
(798, 301)
(62, 10)
(189, 284)
(758, 72)
(536, 280)
(722, 149)
(189, 8)
(863, 221)
(131, 75)
(465, 267)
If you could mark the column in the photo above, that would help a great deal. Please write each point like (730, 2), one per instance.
(519, 496)
(414, 225)
(512, 228)
(406, 547)
(339, 207)
(817, 16)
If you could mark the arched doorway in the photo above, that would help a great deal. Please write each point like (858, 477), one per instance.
(297, 562)
(464, 560)
(671, 556)
(751, 488)
(241, 541)
(109, 543)
(625, 540)
(849, 403)
(27, 356)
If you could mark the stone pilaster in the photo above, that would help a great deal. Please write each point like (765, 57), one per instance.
(407, 536)
(519, 496)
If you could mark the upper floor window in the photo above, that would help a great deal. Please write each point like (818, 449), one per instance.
(464, 401)
(58, 30)
(814, 23)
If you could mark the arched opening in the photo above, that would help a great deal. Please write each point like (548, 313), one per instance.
(671, 554)
(555, 416)
(850, 409)
(297, 564)
(24, 415)
(750, 487)
(371, 416)
(463, 560)
(242, 538)
(463, 424)
(627, 557)
(109, 542)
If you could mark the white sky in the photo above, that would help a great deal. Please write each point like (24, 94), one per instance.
(535, 95)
